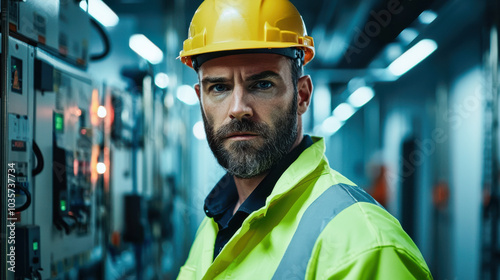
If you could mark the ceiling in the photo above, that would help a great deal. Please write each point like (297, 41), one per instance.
(349, 34)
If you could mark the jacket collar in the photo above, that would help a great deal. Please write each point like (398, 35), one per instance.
(305, 164)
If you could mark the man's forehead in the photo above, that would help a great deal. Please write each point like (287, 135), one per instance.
(244, 64)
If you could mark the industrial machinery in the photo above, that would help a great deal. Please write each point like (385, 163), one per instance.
(52, 135)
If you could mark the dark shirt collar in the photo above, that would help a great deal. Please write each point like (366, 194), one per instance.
(220, 202)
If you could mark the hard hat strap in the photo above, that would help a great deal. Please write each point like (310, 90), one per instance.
(293, 53)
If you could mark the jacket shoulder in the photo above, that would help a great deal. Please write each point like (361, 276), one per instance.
(362, 241)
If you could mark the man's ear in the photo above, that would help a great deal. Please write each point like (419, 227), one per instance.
(304, 88)
(197, 89)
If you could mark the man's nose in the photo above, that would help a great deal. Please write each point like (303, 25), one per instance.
(240, 107)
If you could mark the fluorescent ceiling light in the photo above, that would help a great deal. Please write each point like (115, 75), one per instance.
(187, 95)
(331, 125)
(412, 57)
(408, 35)
(101, 12)
(199, 131)
(357, 82)
(343, 111)
(169, 100)
(427, 16)
(322, 103)
(361, 96)
(394, 50)
(145, 48)
(161, 80)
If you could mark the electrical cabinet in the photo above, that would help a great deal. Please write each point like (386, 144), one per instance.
(74, 32)
(65, 209)
(59, 26)
(38, 20)
(20, 111)
(51, 121)
(29, 247)
(66, 134)
(19, 118)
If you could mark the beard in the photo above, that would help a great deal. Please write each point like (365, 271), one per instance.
(246, 159)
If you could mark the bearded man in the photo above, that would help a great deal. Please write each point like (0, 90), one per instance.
(280, 212)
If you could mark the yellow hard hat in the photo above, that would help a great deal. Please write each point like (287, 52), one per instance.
(246, 26)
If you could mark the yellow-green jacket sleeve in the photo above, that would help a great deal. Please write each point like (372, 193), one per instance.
(365, 242)
(380, 263)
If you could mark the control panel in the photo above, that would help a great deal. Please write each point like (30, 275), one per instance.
(28, 250)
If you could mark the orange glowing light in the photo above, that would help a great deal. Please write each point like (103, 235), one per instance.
(93, 164)
(107, 162)
(94, 107)
(110, 110)
(75, 166)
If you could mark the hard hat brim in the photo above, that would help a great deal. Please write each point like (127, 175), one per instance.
(185, 56)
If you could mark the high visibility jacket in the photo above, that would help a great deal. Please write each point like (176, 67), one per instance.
(316, 224)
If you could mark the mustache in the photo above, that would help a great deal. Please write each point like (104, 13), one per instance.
(245, 125)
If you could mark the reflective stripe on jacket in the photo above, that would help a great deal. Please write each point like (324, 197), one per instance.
(315, 225)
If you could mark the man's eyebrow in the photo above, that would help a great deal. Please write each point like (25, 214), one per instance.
(256, 77)
(264, 75)
(214, 80)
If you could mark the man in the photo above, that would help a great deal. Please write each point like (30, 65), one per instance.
(280, 212)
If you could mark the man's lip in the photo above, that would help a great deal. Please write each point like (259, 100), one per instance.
(241, 134)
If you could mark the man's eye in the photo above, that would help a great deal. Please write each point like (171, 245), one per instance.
(219, 88)
(263, 85)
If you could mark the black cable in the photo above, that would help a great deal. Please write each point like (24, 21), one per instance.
(39, 160)
(28, 199)
(105, 39)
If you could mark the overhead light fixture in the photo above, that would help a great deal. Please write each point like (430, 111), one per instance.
(394, 50)
(361, 96)
(322, 103)
(356, 83)
(412, 57)
(145, 48)
(168, 101)
(101, 12)
(199, 131)
(343, 111)
(331, 125)
(408, 35)
(427, 16)
(187, 95)
(161, 80)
